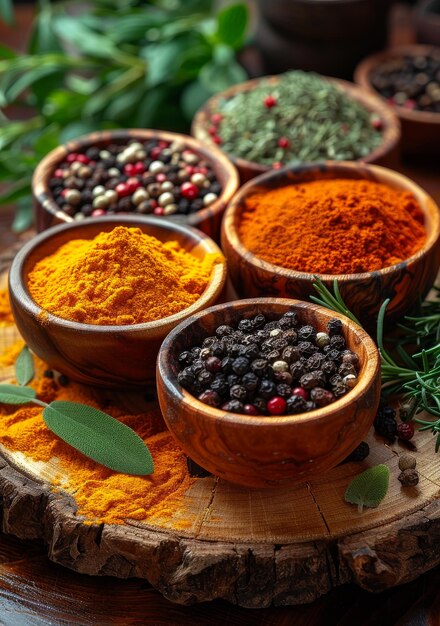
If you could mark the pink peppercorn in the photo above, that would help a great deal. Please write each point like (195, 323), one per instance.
(276, 405)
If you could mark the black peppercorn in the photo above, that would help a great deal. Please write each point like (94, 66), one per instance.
(186, 377)
(259, 367)
(220, 386)
(258, 321)
(337, 342)
(250, 381)
(208, 341)
(295, 404)
(238, 392)
(306, 333)
(223, 330)
(267, 388)
(241, 365)
(204, 377)
(210, 397)
(284, 391)
(227, 362)
(233, 406)
(333, 355)
(307, 348)
(321, 396)
(260, 404)
(197, 366)
(312, 379)
(290, 354)
(245, 326)
(334, 326)
(185, 358)
(233, 379)
(216, 349)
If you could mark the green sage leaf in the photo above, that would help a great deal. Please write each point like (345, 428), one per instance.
(231, 25)
(99, 436)
(12, 394)
(24, 217)
(24, 367)
(368, 488)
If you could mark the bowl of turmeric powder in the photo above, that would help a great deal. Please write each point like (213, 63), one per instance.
(372, 229)
(236, 389)
(95, 299)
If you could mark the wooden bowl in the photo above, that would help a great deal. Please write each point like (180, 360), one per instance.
(420, 129)
(404, 283)
(109, 356)
(385, 154)
(258, 451)
(207, 220)
(427, 17)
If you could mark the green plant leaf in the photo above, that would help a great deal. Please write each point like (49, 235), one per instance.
(6, 11)
(231, 25)
(16, 191)
(24, 367)
(24, 217)
(99, 436)
(12, 394)
(368, 488)
(194, 95)
(217, 77)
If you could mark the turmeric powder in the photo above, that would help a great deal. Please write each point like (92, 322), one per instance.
(6, 318)
(118, 278)
(338, 226)
(102, 496)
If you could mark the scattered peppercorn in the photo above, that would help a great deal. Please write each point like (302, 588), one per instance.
(265, 367)
(146, 177)
(385, 423)
(407, 461)
(359, 454)
(409, 477)
(405, 431)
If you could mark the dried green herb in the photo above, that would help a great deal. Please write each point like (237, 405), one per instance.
(90, 431)
(24, 367)
(368, 488)
(305, 119)
(414, 377)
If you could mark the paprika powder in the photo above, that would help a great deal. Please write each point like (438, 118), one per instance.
(336, 226)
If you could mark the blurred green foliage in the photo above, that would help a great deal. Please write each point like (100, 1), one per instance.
(109, 64)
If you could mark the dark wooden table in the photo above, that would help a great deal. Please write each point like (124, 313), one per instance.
(36, 592)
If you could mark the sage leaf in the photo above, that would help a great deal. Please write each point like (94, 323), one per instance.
(24, 367)
(11, 394)
(23, 218)
(231, 25)
(99, 436)
(368, 488)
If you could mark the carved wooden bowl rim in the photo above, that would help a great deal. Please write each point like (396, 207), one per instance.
(301, 173)
(167, 365)
(365, 67)
(17, 283)
(223, 168)
(390, 122)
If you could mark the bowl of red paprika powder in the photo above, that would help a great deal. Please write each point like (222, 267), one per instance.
(372, 229)
(138, 172)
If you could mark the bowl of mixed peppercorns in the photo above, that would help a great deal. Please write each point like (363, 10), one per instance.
(265, 392)
(139, 172)
(408, 79)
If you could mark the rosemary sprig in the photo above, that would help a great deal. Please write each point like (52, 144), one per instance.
(414, 377)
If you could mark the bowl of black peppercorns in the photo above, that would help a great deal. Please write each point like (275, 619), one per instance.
(408, 79)
(136, 171)
(266, 392)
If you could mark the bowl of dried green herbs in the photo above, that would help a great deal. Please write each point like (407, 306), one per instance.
(297, 117)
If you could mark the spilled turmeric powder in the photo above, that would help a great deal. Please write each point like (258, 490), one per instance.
(102, 495)
(6, 318)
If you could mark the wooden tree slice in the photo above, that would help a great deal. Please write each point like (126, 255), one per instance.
(254, 548)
